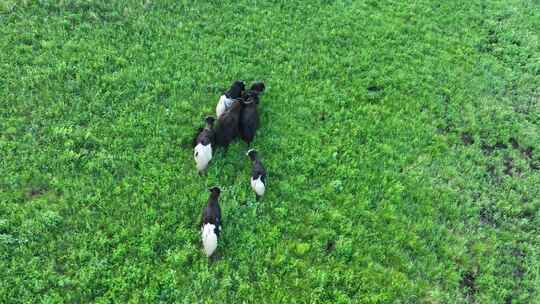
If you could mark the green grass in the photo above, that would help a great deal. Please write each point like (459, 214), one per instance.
(389, 131)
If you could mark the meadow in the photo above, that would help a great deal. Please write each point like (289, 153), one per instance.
(401, 139)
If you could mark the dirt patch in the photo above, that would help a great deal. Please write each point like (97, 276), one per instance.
(514, 143)
(163, 95)
(467, 139)
(508, 166)
(330, 246)
(468, 284)
(492, 37)
(492, 173)
(35, 192)
(527, 152)
(375, 88)
(500, 145)
(486, 217)
(488, 149)
(489, 42)
(519, 272)
(518, 253)
(374, 92)
(448, 124)
(535, 165)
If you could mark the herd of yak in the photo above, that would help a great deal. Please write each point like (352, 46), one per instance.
(237, 116)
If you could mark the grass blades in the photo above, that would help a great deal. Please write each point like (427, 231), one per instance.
(401, 141)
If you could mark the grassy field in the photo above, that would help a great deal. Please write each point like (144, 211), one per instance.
(402, 140)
